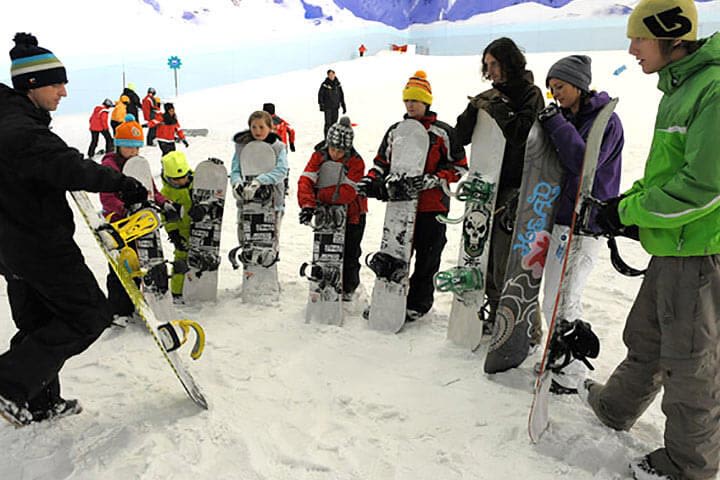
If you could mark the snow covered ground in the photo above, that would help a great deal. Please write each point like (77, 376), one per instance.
(296, 401)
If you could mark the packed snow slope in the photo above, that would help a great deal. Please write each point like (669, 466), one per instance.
(296, 401)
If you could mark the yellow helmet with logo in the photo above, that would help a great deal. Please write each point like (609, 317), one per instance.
(175, 165)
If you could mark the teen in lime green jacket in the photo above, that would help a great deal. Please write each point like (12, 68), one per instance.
(672, 332)
(677, 203)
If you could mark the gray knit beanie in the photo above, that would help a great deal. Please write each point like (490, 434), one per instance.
(574, 69)
(340, 135)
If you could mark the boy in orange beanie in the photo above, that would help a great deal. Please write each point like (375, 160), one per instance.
(445, 163)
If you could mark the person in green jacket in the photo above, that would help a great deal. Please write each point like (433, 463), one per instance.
(673, 330)
(177, 178)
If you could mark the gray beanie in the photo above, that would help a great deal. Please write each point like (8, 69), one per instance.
(340, 135)
(574, 69)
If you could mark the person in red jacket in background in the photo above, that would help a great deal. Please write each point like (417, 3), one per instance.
(362, 49)
(168, 128)
(99, 125)
(150, 106)
(286, 133)
(128, 140)
(445, 163)
(338, 147)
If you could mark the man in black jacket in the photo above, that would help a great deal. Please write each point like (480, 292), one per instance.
(330, 98)
(55, 301)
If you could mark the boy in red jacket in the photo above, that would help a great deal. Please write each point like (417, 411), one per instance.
(98, 125)
(338, 147)
(445, 163)
(168, 128)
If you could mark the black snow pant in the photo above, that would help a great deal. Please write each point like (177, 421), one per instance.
(351, 260)
(114, 124)
(59, 312)
(331, 117)
(166, 147)
(120, 303)
(94, 136)
(428, 243)
(151, 133)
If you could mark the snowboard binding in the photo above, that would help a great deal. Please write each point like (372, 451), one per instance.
(386, 266)
(459, 280)
(156, 278)
(171, 341)
(264, 257)
(572, 341)
(323, 276)
(328, 218)
(203, 262)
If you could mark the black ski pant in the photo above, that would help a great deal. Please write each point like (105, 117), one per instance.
(94, 136)
(428, 243)
(151, 133)
(351, 259)
(114, 124)
(120, 303)
(331, 117)
(166, 147)
(59, 312)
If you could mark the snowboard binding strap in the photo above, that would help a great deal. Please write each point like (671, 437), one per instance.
(473, 192)
(459, 280)
(171, 341)
(386, 266)
(324, 277)
(265, 257)
(572, 341)
(328, 218)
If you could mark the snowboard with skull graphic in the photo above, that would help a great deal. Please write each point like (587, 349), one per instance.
(478, 191)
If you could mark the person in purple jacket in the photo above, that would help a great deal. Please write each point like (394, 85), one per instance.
(568, 123)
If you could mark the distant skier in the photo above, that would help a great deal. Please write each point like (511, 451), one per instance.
(134, 105)
(330, 99)
(117, 116)
(568, 124)
(445, 162)
(99, 125)
(338, 147)
(56, 303)
(128, 141)
(513, 102)
(168, 129)
(150, 107)
(362, 49)
(672, 332)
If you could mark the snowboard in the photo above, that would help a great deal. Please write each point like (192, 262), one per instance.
(538, 420)
(155, 282)
(325, 272)
(517, 310)
(391, 264)
(208, 192)
(97, 225)
(258, 251)
(195, 132)
(478, 191)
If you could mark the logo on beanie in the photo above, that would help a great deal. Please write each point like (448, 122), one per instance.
(136, 132)
(668, 24)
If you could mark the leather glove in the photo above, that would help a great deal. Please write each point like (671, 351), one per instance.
(196, 213)
(306, 215)
(608, 218)
(292, 147)
(131, 191)
(177, 240)
(372, 188)
(185, 142)
(249, 190)
(171, 211)
(548, 112)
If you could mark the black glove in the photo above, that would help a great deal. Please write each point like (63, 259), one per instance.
(508, 215)
(292, 147)
(185, 142)
(499, 109)
(196, 213)
(372, 188)
(178, 241)
(344, 110)
(171, 211)
(131, 191)
(608, 218)
(548, 112)
(306, 215)
(180, 266)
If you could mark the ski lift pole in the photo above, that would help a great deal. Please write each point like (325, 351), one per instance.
(175, 63)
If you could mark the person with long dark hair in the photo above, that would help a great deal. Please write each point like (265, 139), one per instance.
(513, 102)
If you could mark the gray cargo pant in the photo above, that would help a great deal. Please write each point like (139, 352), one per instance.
(673, 339)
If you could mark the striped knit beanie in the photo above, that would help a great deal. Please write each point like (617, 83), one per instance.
(418, 88)
(340, 135)
(33, 66)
